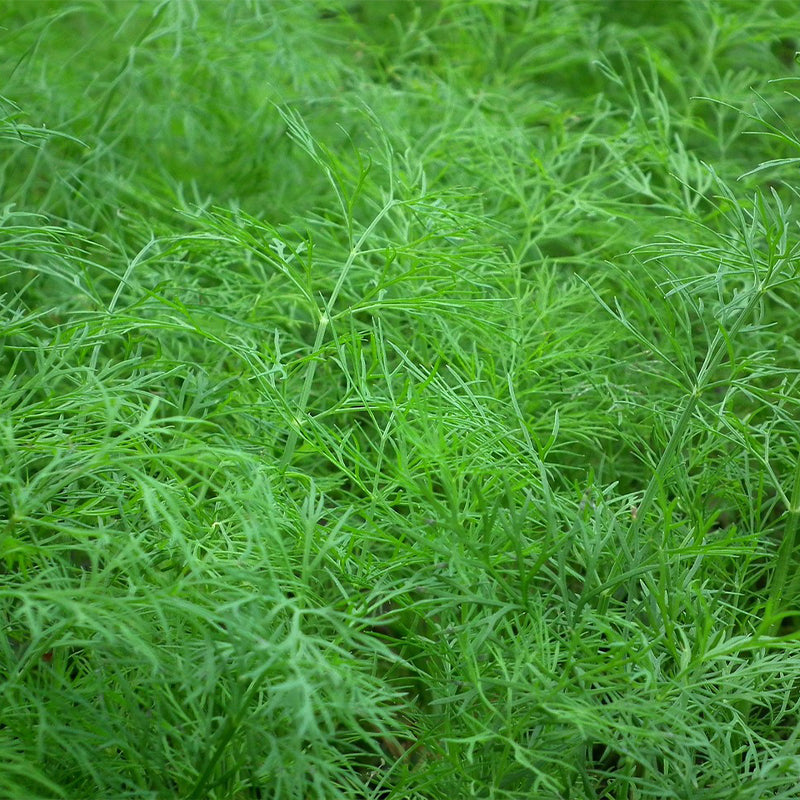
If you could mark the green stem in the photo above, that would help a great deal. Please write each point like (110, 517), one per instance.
(713, 358)
(226, 733)
(324, 319)
(777, 590)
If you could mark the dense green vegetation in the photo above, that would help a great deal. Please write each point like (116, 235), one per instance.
(399, 400)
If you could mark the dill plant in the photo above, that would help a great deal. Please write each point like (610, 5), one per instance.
(398, 401)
